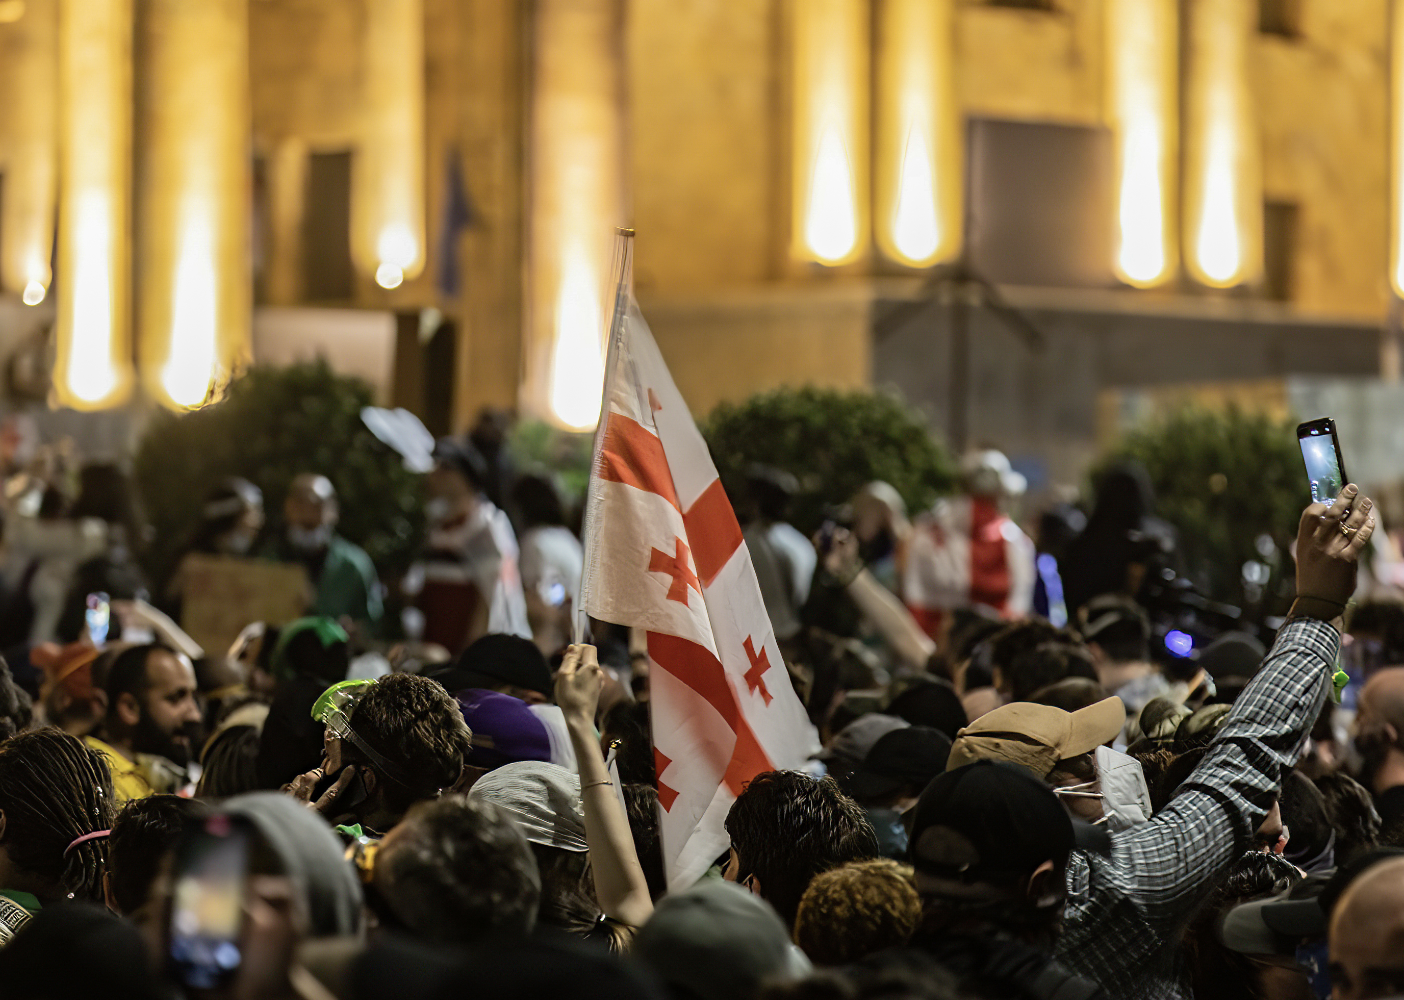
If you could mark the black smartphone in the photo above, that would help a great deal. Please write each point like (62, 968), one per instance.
(1321, 450)
(207, 903)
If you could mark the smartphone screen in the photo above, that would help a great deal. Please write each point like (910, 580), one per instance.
(98, 618)
(1321, 450)
(207, 906)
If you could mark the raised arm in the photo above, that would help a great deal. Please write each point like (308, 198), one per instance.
(879, 605)
(1173, 858)
(619, 879)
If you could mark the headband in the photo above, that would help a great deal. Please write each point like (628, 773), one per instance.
(95, 835)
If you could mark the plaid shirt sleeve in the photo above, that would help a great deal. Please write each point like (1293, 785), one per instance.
(1126, 912)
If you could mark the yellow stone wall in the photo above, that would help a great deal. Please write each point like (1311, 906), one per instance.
(1322, 108)
(707, 163)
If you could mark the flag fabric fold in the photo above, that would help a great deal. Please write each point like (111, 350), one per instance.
(664, 553)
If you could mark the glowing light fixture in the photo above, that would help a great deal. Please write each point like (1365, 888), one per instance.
(1143, 110)
(577, 361)
(192, 361)
(31, 168)
(830, 96)
(1223, 172)
(195, 290)
(918, 180)
(577, 157)
(831, 218)
(1396, 147)
(388, 202)
(92, 364)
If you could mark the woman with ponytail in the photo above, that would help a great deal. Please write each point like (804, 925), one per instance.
(56, 810)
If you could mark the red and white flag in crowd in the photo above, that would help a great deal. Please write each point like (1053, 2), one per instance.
(663, 552)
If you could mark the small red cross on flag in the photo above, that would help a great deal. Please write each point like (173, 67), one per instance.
(755, 677)
(676, 567)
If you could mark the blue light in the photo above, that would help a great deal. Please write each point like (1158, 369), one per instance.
(1179, 643)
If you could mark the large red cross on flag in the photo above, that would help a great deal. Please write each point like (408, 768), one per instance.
(663, 552)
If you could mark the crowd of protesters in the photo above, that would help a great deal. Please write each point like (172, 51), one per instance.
(1033, 785)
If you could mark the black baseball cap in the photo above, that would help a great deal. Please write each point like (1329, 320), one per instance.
(498, 659)
(988, 822)
(909, 756)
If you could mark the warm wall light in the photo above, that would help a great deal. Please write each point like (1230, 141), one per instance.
(1223, 170)
(1143, 110)
(92, 364)
(577, 200)
(918, 180)
(389, 173)
(830, 105)
(1396, 146)
(577, 364)
(31, 168)
(193, 208)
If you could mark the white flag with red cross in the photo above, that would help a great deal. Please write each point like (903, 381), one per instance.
(664, 553)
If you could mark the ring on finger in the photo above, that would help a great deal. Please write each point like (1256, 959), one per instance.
(1348, 531)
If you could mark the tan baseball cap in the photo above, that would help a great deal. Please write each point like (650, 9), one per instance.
(1036, 737)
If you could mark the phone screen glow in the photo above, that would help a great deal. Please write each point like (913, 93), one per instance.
(1323, 470)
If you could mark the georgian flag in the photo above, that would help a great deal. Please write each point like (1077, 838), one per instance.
(663, 552)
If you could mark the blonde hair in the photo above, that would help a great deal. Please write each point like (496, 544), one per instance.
(859, 908)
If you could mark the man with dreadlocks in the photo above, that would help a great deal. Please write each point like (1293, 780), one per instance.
(56, 809)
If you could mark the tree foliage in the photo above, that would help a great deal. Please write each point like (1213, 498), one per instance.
(1229, 482)
(833, 442)
(274, 424)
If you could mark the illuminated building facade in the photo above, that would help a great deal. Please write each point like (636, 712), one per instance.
(1170, 189)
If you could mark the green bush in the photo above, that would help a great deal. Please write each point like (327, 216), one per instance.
(833, 442)
(538, 447)
(274, 424)
(1224, 480)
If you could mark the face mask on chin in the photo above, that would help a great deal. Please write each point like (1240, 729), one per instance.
(436, 510)
(309, 539)
(237, 542)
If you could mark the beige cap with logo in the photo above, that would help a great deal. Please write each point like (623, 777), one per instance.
(1037, 737)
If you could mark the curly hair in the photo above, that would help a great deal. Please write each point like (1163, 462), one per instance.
(415, 724)
(53, 790)
(459, 871)
(852, 911)
(1352, 813)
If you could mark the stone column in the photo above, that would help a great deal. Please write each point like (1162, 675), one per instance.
(286, 172)
(1143, 110)
(92, 363)
(920, 152)
(1396, 157)
(194, 160)
(31, 174)
(576, 164)
(1223, 154)
(829, 97)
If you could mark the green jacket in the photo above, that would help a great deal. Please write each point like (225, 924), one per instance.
(347, 584)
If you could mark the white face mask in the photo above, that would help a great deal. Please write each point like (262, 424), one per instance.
(437, 510)
(1125, 798)
(309, 539)
(237, 542)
